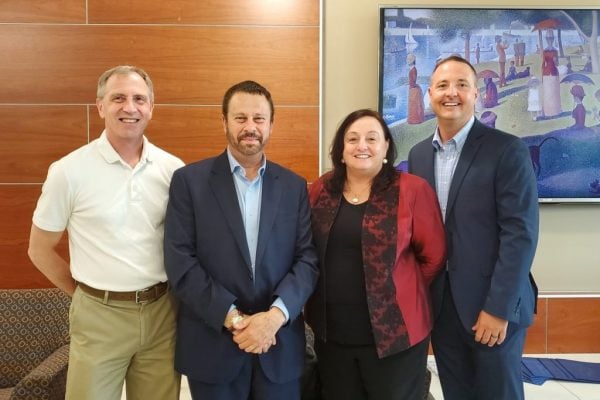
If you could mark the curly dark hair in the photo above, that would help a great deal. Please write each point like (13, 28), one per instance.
(387, 174)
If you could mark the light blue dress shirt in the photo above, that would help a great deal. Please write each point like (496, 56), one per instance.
(446, 159)
(249, 194)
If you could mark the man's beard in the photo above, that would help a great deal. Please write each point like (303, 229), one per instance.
(247, 150)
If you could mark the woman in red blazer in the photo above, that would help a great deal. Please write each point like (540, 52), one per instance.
(380, 239)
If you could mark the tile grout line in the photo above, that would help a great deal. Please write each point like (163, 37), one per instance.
(567, 389)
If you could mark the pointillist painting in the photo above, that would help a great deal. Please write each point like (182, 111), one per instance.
(538, 76)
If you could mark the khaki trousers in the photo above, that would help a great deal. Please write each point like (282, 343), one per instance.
(117, 341)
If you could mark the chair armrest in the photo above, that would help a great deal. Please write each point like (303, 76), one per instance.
(47, 380)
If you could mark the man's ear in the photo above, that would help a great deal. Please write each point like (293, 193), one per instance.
(224, 121)
(100, 107)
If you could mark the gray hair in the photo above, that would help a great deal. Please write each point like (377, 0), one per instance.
(124, 70)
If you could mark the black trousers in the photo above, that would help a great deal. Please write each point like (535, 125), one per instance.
(356, 372)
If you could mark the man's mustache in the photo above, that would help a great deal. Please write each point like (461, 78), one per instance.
(250, 136)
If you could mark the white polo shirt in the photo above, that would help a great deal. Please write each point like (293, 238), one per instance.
(114, 213)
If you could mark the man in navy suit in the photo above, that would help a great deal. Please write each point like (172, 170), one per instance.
(486, 187)
(239, 255)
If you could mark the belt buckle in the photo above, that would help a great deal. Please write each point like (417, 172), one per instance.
(138, 292)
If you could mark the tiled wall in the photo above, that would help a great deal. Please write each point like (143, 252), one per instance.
(54, 51)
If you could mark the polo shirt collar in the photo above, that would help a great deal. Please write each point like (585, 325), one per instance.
(110, 154)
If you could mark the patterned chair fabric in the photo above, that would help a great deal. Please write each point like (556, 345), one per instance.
(34, 343)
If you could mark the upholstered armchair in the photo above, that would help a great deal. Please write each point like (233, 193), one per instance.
(34, 343)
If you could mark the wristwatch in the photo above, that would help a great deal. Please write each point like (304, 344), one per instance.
(236, 318)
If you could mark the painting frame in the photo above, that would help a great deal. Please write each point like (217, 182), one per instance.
(538, 75)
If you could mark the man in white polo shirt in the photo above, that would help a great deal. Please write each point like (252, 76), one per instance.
(111, 196)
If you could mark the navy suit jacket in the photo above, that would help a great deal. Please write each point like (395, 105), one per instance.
(491, 226)
(208, 265)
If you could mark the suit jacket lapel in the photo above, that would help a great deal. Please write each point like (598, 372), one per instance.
(271, 196)
(221, 183)
(429, 163)
(464, 163)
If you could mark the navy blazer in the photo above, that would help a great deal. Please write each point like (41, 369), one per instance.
(208, 265)
(491, 226)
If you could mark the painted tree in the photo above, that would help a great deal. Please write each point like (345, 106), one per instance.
(452, 23)
(585, 23)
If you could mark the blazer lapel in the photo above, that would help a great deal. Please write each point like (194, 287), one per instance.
(429, 163)
(221, 183)
(464, 163)
(271, 196)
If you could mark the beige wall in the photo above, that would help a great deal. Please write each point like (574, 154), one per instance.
(568, 257)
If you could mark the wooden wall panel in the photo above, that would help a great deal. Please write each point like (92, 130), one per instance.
(17, 204)
(42, 11)
(195, 133)
(54, 51)
(573, 325)
(536, 334)
(189, 65)
(34, 136)
(294, 139)
(212, 12)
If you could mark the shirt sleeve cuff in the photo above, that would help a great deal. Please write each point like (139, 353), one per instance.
(279, 304)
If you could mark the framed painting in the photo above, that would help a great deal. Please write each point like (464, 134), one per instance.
(538, 75)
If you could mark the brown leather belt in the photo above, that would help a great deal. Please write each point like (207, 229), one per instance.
(141, 296)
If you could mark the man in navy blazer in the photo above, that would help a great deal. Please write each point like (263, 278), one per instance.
(240, 258)
(486, 298)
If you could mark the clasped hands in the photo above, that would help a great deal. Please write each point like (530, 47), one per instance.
(255, 333)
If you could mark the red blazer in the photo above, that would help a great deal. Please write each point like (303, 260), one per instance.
(403, 247)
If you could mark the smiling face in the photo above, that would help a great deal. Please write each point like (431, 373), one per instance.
(247, 125)
(365, 147)
(453, 92)
(126, 107)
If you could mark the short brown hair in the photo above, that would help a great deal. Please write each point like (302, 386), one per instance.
(124, 70)
(249, 87)
(457, 59)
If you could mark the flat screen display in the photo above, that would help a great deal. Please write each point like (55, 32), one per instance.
(538, 76)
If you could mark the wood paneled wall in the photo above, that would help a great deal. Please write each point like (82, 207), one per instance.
(565, 325)
(53, 52)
